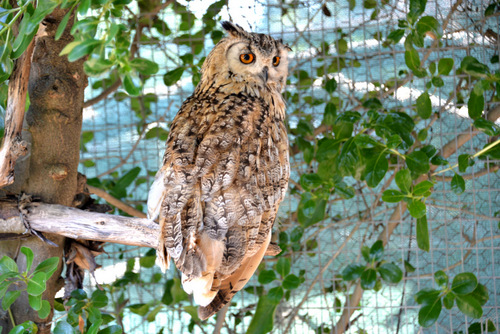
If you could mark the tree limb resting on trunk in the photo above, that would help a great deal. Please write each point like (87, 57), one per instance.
(84, 225)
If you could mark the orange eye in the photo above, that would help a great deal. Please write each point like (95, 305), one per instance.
(247, 58)
(276, 61)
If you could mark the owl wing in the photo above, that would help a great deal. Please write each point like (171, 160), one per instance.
(225, 171)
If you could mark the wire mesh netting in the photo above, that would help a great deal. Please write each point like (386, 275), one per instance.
(354, 43)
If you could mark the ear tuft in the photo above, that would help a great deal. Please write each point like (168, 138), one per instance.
(233, 29)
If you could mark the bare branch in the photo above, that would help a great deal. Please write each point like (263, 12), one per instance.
(116, 202)
(84, 225)
(13, 146)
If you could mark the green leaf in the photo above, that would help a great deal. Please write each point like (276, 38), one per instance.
(403, 180)
(417, 7)
(144, 66)
(352, 272)
(428, 23)
(283, 266)
(422, 187)
(390, 272)
(469, 306)
(464, 161)
(310, 181)
(275, 295)
(9, 298)
(377, 251)
(82, 49)
(368, 279)
(139, 309)
(376, 169)
(267, 276)
(29, 257)
(423, 234)
(475, 105)
(422, 135)
(427, 296)
(97, 66)
(48, 266)
(417, 208)
(439, 160)
(394, 141)
(37, 284)
(94, 328)
(396, 35)
(113, 329)
(44, 310)
(157, 132)
(154, 312)
(441, 279)
(173, 76)
(457, 184)
(132, 87)
(488, 127)
(464, 283)
(327, 149)
(99, 299)
(331, 85)
(480, 293)
(330, 114)
(191, 310)
(478, 328)
(429, 313)
(418, 162)
(62, 327)
(445, 65)
(78, 294)
(62, 25)
(449, 300)
(392, 196)
(291, 282)
(412, 59)
(35, 302)
(437, 82)
(311, 209)
(262, 321)
(474, 68)
(409, 267)
(7, 265)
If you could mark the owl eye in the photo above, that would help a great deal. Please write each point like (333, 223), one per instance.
(247, 58)
(276, 61)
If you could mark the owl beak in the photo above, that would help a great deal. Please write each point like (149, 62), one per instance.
(264, 75)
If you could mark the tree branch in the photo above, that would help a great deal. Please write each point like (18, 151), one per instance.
(84, 225)
(116, 202)
(13, 147)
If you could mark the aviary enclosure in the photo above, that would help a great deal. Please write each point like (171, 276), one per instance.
(392, 220)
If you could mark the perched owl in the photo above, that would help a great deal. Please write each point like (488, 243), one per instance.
(225, 169)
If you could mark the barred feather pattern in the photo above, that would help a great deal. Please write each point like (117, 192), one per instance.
(225, 171)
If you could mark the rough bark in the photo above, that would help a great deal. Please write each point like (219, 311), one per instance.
(53, 122)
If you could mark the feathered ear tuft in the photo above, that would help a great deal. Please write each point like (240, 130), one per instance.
(233, 29)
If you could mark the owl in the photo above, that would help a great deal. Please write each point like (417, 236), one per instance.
(225, 169)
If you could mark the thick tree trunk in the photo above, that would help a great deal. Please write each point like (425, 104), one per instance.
(54, 121)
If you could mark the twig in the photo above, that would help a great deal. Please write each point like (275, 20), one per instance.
(116, 202)
(221, 316)
(297, 307)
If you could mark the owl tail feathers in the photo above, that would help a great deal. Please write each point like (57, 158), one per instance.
(162, 257)
(201, 288)
(234, 282)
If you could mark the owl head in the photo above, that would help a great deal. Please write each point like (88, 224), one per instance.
(254, 62)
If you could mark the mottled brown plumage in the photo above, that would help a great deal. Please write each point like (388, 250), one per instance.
(225, 169)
